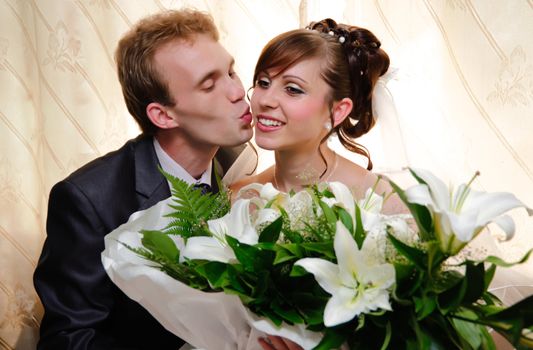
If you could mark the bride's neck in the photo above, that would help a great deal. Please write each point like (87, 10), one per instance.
(293, 170)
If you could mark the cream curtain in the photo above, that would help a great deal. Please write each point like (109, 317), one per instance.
(463, 87)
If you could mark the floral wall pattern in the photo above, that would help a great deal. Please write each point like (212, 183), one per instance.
(463, 89)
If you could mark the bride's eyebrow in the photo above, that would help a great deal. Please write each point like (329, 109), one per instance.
(290, 76)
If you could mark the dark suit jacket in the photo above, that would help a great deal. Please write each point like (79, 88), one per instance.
(83, 308)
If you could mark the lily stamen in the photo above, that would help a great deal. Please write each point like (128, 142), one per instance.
(466, 191)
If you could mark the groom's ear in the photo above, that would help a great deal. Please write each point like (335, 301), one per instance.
(161, 116)
(341, 109)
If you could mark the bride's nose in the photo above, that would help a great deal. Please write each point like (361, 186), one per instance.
(266, 98)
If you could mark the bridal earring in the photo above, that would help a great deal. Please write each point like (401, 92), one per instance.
(327, 125)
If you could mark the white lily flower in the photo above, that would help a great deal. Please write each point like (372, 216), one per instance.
(370, 207)
(459, 216)
(236, 224)
(356, 284)
(266, 191)
(343, 197)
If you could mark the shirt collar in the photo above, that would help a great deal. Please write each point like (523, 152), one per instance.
(170, 166)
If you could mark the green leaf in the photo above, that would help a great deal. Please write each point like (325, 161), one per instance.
(408, 280)
(420, 213)
(414, 255)
(489, 275)
(216, 273)
(324, 249)
(474, 280)
(251, 258)
(160, 243)
(469, 331)
(287, 313)
(499, 262)
(346, 219)
(328, 213)
(272, 231)
(359, 234)
(513, 319)
(283, 255)
(298, 271)
(294, 248)
(446, 280)
(452, 298)
(424, 306)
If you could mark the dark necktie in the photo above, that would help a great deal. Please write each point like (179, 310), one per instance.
(204, 188)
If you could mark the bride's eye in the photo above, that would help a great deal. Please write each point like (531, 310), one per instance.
(262, 83)
(293, 90)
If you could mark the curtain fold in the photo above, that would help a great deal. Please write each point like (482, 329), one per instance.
(463, 88)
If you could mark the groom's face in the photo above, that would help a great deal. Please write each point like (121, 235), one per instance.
(210, 107)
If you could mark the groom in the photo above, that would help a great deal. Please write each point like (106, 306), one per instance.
(180, 86)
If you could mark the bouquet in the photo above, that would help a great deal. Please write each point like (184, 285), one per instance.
(321, 268)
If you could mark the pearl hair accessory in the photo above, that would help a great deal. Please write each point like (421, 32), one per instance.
(342, 39)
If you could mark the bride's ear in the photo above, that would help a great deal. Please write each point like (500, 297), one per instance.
(341, 109)
(160, 116)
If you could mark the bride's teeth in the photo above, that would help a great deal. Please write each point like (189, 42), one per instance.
(269, 122)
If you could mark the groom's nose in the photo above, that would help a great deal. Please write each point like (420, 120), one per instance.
(236, 90)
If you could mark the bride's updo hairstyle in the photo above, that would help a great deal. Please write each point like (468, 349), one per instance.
(353, 62)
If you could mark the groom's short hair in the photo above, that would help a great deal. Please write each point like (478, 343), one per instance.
(141, 83)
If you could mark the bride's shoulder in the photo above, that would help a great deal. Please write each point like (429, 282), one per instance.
(354, 176)
(262, 178)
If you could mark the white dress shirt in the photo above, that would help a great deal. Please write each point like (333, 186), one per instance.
(173, 168)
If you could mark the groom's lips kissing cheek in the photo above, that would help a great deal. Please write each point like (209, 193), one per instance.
(246, 117)
(268, 124)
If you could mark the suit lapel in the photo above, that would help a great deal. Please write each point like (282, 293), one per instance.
(150, 184)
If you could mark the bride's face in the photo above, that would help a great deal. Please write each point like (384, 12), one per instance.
(290, 108)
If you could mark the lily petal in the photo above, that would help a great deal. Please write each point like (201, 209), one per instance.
(326, 273)
(419, 194)
(348, 255)
(437, 188)
(207, 248)
(491, 205)
(344, 196)
(507, 224)
(463, 225)
(343, 306)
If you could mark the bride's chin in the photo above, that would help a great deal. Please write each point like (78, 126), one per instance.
(264, 144)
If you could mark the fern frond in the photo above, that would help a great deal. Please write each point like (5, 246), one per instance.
(192, 209)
